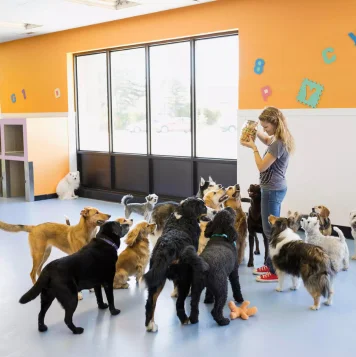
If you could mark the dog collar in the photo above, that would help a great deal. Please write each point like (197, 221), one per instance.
(111, 243)
(219, 235)
(222, 235)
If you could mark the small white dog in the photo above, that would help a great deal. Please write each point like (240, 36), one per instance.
(336, 248)
(353, 230)
(66, 186)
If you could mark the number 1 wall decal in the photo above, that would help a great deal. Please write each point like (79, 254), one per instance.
(309, 93)
(24, 94)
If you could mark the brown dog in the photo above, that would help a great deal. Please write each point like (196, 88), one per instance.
(323, 214)
(134, 259)
(69, 239)
(234, 201)
(215, 199)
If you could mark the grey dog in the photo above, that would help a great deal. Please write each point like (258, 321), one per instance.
(143, 209)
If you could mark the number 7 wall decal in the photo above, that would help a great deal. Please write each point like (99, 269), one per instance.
(309, 93)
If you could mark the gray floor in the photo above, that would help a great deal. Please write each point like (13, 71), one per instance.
(284, 326)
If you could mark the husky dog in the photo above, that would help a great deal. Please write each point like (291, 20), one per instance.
(206, 186)
(143, 209)
(292, 256)
(66, 186)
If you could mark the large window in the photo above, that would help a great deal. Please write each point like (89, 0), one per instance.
(92, 102)
(172, 99)
(128, 83)
(216, 68)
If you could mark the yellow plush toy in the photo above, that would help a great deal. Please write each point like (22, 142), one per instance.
(244, 311)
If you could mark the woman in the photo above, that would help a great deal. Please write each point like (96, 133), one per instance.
(272, 167)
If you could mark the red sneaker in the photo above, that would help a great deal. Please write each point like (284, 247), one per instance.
(261, 270)
(267, 278)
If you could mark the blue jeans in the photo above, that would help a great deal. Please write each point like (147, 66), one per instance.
(270, 204)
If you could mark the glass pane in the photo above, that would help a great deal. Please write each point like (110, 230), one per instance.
(92, 102)
(217, 64)
(129, 101)
(170, 99)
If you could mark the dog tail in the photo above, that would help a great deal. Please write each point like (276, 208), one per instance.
(189, 256)
(67, 220)
(41, 283)
(126, 199)
(15, 227)
(157, 273)
(340, 234)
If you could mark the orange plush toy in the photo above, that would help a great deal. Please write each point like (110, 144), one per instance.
(244, 311)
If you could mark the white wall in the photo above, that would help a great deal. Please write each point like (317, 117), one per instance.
(323, 168)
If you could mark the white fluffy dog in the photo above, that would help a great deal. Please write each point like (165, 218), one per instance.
(353, 229)
(66, 186)
(335, 247)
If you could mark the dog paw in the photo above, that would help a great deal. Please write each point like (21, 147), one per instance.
(279, 289)
(152, 327)
(80, 296)
(314, 307)
(328, 303)
(103, 306)
(257, 252)
(345, 269)
(250, 265)
(91, 290)
(294, 288)
(193, 319)
(239, 300)
(353, 257)
(78, 331)
(42, 328)
(186, 322)
(115, 312)
(223, 322)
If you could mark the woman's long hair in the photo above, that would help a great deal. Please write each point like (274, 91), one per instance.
(275, 117)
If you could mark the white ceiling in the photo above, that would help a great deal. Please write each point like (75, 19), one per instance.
(58, 15)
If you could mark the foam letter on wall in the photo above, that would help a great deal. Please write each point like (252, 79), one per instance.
(57, 93)
(309, 93)
(13, 98)
(24, 94)
(327, 59)
(259, 66)
(353, 37)
(266, 92)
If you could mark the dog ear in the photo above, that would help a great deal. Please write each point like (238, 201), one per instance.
(117, 229)
(202, 181)
(211, 179)
(325, 212)
(209, 230)
(133, 235)
(85, 212)
(289, 213)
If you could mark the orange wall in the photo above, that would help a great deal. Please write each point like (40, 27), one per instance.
(47, 141)
(289, 38)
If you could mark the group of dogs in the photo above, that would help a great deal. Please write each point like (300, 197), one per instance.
(197, 243)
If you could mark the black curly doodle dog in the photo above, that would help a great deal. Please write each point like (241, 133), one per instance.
(92, 266)
(182, 229)
(216, 264)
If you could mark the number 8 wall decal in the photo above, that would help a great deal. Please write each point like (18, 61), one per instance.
(13, 98)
